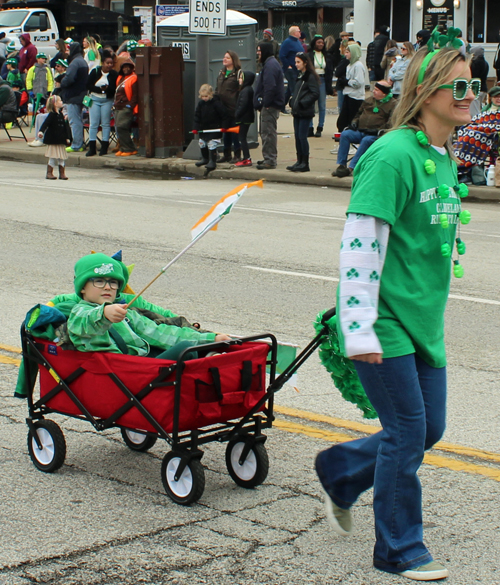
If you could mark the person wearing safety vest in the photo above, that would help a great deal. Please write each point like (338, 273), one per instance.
(125, 107)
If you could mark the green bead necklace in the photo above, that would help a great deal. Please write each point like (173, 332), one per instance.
(463, 215)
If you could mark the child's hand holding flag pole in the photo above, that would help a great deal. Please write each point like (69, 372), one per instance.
(209, 221)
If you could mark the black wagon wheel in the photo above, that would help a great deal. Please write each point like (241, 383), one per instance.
(138, 441)
(189, 487)
(253, 470)
(52, 453)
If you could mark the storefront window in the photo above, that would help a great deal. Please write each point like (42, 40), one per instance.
(483, 19)
(396, 14)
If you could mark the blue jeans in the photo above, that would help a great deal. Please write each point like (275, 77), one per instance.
(340, 99)
(100, 115)
(410, 399)
(76, 123)
(321, 104)
(301, 128)
(349, 137)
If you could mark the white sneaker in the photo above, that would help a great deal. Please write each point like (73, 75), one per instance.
(338, 518)
(36, 143)
(429, 572)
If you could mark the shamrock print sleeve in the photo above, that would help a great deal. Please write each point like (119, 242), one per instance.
(362, 255)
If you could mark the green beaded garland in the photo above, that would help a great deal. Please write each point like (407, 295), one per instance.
(430, 166)
(458, 269)
(463, 190)
(443, 191)
(464, 217)
(443, 220)
(446, 250)
(422, 138)
(460, 246)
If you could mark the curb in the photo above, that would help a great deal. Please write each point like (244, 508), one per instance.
(178, 166)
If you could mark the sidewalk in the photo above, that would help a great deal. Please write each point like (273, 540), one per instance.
(322, 162)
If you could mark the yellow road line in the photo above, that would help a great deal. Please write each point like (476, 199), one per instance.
(429, 458)
(8, 360)
(370, 430)
(11, 348)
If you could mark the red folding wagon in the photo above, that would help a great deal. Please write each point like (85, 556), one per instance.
(221, 397)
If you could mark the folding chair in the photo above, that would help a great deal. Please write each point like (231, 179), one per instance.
(16, 122)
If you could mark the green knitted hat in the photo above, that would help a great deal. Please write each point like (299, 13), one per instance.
(99, 265)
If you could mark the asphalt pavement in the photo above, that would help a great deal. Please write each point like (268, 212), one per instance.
(104, 517)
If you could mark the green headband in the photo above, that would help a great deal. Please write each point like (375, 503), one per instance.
(441, 40)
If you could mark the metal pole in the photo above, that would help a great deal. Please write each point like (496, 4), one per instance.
(202, 62)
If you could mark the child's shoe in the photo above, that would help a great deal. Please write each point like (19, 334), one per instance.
(50, 175)
(247, 162)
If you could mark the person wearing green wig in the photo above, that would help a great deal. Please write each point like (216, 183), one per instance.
(354, 86)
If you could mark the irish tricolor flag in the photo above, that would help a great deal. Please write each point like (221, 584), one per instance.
(210, 220)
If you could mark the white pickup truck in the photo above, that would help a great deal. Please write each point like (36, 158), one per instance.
(40, 23)
(48, 20)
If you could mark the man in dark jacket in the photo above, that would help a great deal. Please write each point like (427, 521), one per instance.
(372, 119)
(379, 43)
(73, 90)
(269, 99)
(8, 103)
(289, 48)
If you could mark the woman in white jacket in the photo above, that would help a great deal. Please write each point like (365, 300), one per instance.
(398, 69)
(354, 86)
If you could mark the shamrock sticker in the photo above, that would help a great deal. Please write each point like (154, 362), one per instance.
(353, 273)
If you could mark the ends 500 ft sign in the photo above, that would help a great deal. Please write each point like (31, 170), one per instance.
(207, 17)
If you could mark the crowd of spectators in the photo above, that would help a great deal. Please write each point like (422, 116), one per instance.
(292, 78)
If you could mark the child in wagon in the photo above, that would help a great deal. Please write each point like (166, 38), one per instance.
(97, 323)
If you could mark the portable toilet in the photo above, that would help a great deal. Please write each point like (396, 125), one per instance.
(240, 38)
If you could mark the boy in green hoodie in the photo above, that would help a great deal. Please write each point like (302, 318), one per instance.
(98, 323)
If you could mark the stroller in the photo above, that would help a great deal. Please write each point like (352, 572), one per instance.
(220, 396)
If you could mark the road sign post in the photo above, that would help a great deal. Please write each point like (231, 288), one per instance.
(206, 18)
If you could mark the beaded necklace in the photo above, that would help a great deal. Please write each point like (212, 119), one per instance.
(463, 216)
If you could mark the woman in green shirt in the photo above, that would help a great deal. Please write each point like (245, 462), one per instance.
(395, 266)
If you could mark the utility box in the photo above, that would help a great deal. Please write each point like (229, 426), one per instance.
(161, 106)
(240, 38)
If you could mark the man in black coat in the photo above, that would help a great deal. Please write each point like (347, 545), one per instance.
(73, 90)
(379, 43)
(269, 99)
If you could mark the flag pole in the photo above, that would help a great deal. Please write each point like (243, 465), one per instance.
(181, 253)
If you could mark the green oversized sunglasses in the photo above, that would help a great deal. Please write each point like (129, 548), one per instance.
(460, 87)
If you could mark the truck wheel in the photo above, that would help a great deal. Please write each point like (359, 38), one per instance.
(190, 486)
(253, 470)
(53, 452)
(138, 441)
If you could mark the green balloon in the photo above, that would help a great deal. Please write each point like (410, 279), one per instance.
(446, 250)
(458, 270)
(464, 217)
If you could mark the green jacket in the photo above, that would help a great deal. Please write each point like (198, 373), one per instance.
(65, 303)
(89, 330)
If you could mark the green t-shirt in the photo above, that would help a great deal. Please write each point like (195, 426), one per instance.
(390, 183)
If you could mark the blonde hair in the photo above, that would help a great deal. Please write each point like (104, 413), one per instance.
(51, 103)
(413, 95)
(410, 49)
(206, 89)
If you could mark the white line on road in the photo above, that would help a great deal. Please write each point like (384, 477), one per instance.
(331, 279)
